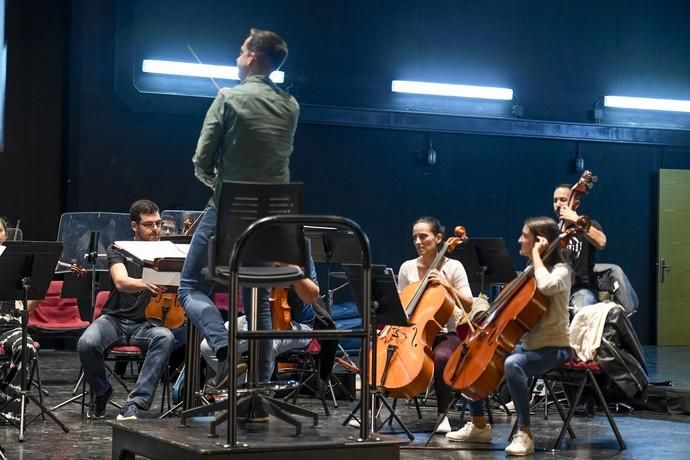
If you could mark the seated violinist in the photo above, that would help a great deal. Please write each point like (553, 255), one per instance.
(544, 347)
(123, 322)
(427, 237)
(298, 314)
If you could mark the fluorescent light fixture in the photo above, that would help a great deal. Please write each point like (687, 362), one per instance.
(647, 103)
(445, 89)
(190, 69)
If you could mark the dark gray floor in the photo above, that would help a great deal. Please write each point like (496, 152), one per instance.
(648, 435)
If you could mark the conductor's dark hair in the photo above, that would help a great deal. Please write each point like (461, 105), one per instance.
(268, 45)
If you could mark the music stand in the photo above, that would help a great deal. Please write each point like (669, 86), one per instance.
(333, 245)
(387, 310)
(384, 293)
(486, 261)
(26, 268)
(80, 288)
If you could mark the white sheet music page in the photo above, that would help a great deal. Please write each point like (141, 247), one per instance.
(148, 251)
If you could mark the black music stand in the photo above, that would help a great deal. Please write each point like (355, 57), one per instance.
(387, 309)
(331, 245)
(81, 287)
(26, 268)
(486, 261)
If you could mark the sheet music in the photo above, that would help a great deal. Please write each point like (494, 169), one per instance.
(148, 251)
(149, 275)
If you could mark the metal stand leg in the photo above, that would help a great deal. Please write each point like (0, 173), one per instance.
(378, 401)
(25, 387)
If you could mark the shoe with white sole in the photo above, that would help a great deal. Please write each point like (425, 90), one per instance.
(444, 426)
(521, 445)
(471, 433)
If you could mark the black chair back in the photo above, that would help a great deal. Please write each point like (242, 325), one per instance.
(241, 204)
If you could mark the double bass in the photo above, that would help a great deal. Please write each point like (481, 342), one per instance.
(404, 362)
(476, 367)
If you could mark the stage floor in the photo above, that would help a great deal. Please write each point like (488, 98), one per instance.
(646, 434)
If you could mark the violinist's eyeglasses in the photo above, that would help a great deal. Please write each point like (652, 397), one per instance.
(157, 223)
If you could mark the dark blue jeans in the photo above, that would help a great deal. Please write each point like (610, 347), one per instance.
(195, 294)
(519, 367)
(107, 332)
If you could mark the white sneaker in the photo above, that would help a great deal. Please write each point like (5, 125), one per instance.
(444, 426)
(471, 433)
(521, 444)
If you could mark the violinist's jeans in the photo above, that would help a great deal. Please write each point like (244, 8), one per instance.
(108, 331)
(278, 346)
(519, 367)
(195, 295)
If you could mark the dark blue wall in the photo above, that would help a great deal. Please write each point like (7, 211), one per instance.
(558, 56)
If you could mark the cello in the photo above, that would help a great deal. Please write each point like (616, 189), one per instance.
(476, 367)
(281, 316)
(404, 362)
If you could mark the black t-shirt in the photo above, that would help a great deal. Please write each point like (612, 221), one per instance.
(122, 304)
(581, 254)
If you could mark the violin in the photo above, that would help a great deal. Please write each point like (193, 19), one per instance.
(280, 309)
(165, 309)
(189, 226)
(80, 272)
(476, 367)
(404, 366)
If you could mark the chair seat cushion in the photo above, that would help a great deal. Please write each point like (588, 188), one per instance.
(593, 366)
(126, 350)
(55, 314)
(265, 276)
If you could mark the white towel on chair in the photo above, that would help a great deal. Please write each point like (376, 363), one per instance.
(587, 327)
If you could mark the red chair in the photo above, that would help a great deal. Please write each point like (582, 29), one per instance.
(222, 301)
(55, 315)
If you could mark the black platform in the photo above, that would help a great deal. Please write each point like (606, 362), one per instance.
(166, 439)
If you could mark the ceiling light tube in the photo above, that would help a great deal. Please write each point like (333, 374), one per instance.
(647, 103)
(189, 69)
(445, 89)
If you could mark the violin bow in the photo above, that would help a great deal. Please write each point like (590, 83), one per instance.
(456, 299)
(191, 50)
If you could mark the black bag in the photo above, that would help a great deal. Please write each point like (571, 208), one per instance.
(621, 358)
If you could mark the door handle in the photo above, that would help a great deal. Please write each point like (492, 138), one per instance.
(663, 268)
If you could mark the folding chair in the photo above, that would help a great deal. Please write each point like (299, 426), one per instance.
(579, 375)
